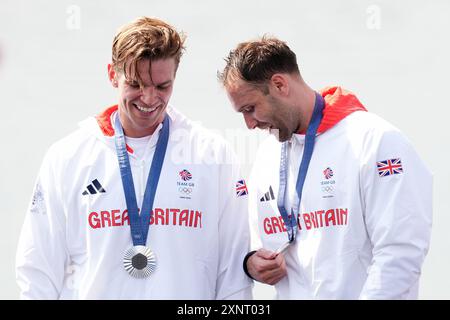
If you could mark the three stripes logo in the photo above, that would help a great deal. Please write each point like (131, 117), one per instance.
(94, 188)
(268, 195)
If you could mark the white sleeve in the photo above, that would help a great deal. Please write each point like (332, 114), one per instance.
(398, 217)
(41, 254)
(232, 282)
(255, 236)
(258, 174)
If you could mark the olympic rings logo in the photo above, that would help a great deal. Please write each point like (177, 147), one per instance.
(327, 189)
(185, 190)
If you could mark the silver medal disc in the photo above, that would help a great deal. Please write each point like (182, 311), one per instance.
(139, 261)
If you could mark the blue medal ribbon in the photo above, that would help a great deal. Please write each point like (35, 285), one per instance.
(139, 224)
(290, 220)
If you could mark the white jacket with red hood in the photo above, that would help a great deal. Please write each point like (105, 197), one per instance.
(365, 216)
(77, 228)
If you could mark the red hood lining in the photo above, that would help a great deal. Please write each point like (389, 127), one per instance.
(104, 122)
(339, 103)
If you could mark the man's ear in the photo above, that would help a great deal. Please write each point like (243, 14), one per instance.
(279, 84)
(112, 75)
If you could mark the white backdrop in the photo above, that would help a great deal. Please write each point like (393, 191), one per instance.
(53, 57)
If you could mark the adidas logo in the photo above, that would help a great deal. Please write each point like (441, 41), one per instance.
(268, 195)
(94, 188)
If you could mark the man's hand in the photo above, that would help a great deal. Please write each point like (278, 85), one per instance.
(266, 266)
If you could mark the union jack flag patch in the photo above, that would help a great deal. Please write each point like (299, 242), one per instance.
(389, 167)
(241, 188)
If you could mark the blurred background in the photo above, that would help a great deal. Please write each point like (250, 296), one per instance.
(53, 56)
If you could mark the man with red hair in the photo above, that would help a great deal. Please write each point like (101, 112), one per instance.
(139, 202)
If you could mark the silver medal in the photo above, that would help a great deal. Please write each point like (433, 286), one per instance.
(139, 261)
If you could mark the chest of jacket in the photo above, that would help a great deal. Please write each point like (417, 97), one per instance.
(330, 212)
(185, 211)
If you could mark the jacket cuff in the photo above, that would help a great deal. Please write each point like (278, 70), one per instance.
(247, 256)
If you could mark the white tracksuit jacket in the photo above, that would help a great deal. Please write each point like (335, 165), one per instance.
(363, 233)
(76, 230)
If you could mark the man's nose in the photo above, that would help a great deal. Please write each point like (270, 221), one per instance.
(250, 121)
(148, 95)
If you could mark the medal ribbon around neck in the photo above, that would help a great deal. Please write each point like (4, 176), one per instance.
(139, 261)
(139, 224)
(290, 220)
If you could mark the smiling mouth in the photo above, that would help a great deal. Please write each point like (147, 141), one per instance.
(266, 128)
(144, 109)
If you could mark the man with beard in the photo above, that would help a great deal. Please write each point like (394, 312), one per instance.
(340, 201)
